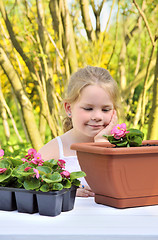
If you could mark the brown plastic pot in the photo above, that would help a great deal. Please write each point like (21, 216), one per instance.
(120, 177)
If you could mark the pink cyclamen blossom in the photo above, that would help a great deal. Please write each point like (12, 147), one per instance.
(26, 169)
(61, 163)
(2, 170)
(37, 172)
(119, 131)
(65, 174)
(1, 152)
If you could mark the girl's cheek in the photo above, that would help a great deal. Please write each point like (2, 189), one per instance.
(109, 117)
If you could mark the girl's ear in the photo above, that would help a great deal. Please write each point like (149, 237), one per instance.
(67, 107)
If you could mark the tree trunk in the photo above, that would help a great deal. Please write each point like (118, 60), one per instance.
(123, 67)
(25, 103)
(3, 114)
(87, 21)
(69, 40)
(63, 26)
(7, 110)
(137, 80)
(153, 117)
(145, 89)
(137, 116)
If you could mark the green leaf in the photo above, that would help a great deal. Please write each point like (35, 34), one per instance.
(44, 169)
(135, 132)
(135, 142)
(19, 171)
(16, 162)
(135, 137)
(30, 172)
(15, 173)
(122, 144)
(57, 186)
(5, 175)
(44, 188)
(22, 167)
(52, 164)
(5, 164)
(66, 183)
(76, 182)
(75, 175)
(53, 161)
(52, 178)
(31, 184)
(21, 180)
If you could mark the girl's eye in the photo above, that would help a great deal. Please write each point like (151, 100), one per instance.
(106, 110)
(88, 109)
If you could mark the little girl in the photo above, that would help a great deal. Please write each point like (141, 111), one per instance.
(92, 106)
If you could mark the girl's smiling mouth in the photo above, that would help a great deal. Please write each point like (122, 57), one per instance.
(95, 126)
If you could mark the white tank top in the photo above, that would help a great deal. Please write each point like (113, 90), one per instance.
(72, 164)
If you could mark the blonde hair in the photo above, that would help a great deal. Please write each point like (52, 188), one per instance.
(90, 76)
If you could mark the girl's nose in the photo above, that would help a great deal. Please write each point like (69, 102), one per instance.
(97, 116)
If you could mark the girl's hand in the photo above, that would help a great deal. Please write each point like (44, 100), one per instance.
(84, 191)
(107, 130)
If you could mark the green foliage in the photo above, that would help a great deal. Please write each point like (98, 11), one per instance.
(133, 138)
(40, 176)
(6, 175)
(75, 175)
(32, 184)
(52, 178)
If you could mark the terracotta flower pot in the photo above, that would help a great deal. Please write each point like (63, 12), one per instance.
(121, 177)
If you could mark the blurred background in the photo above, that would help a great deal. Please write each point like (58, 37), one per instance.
(42, 42)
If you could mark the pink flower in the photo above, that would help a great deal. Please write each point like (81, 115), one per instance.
(41, 163)
(24, 160)
(33, 157)
(34, 161)
(1, 152)
(32, 151)
(65, 174)
(26, 169)
(37, 160)
(119, 131)
(37, 173)
(37, 156)
(61, 163)
(2, 170)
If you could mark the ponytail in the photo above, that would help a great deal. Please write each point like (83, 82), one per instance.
(67, 124)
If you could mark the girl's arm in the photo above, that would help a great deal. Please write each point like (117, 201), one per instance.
(84, 192)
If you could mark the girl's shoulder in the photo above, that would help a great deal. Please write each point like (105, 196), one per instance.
(50, 150)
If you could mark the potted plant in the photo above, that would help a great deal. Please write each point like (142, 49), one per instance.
(34, 185)
(122, 172)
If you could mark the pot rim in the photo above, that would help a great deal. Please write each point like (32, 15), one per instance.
(107, 148)
(55, 192)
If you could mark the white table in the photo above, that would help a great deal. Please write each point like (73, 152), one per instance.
(87, 221)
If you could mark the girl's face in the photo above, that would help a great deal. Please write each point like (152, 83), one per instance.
(92, 112)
